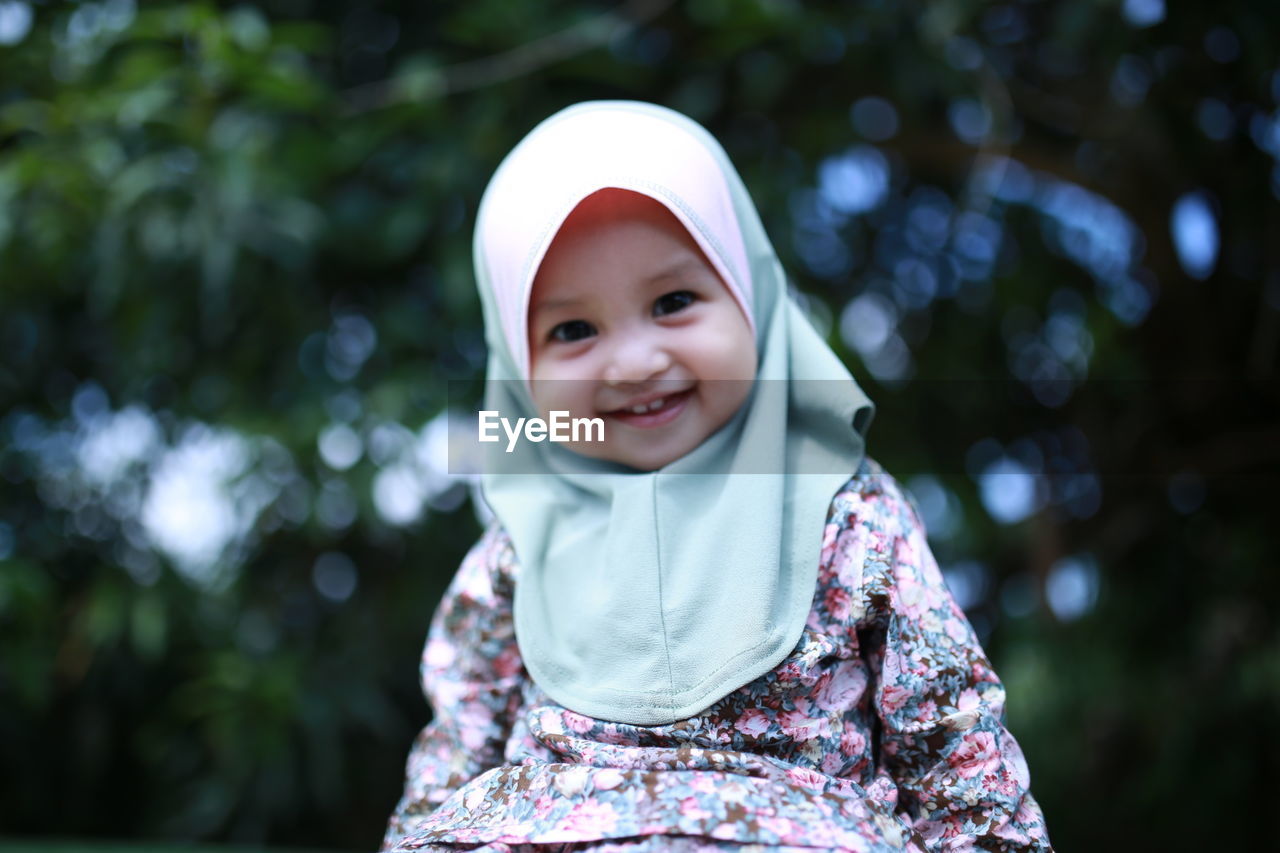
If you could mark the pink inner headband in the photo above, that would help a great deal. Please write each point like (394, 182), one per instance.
(571, 156)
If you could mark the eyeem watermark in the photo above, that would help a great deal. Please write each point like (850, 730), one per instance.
(1067, 449)
(560, 428)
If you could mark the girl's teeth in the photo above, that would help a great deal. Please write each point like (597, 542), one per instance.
(650, 407)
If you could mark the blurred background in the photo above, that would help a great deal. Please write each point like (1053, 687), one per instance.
(235, 282)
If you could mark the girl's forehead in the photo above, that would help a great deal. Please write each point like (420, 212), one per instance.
(618, 233)
(602, 212)
(612, 204)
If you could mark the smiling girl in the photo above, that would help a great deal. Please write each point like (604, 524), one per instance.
(760, 657)
(630, 322)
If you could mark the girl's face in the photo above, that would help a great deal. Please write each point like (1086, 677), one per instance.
(630, 323)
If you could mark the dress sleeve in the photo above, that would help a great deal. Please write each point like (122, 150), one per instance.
(961, 777)
(471, 674)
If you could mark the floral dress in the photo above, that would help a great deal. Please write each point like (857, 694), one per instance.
(882, 730)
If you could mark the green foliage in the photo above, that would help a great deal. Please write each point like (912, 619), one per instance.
(245, 232)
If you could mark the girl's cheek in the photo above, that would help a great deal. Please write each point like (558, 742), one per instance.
(570, 395)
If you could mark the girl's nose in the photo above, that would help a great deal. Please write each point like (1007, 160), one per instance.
(636, 360)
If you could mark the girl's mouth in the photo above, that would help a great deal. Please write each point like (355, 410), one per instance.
(655, 413)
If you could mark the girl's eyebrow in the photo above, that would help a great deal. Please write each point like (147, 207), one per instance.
(674, 270)
(552, 304)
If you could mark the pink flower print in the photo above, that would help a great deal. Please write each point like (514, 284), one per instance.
(853, 743)
(927, 711)
(1016, 763)
(883, 790)
(612, 734)
(838, 602)
(473, 798)
(980, 672)
(809, 779)
(1014, 833)
(828, 545)
(450, 689)
(733, 792)
(908, 554)
(577, 722)
(792, 671)
(953, 827)
(472, 731)
(976, 754)
(911, 595)
(891, 666)
(879, 541)
(893, 697)
(930, 830)
(779, 826)
(813, 621)
(608, 779)
(508, 663)
(572, 781)
(799, 725)
(833, 763)
(931, 622)
(439, 654)
(968, 700)
(1002, 782)
(543, 806)
(1026, 814)
(704, 783)
(849, 557)
(551, 722)
(691, 808)
(933, 575)
(591, 819)
(753, 722)
(844, 689)
(955, 630)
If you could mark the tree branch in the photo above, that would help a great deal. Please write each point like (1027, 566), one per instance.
(516, 62)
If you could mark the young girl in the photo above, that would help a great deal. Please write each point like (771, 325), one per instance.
(698, 632)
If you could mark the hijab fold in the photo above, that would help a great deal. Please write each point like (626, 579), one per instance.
(645, 597)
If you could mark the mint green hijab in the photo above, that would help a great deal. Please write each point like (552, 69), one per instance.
(645, 597)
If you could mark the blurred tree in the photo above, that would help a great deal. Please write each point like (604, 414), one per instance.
(235, 285)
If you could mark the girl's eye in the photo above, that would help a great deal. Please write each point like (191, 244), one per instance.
(672, 302)
(572, 330)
